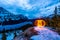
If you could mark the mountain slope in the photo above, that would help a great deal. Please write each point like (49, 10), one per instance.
(6, 17)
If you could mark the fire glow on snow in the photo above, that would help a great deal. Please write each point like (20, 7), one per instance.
(45, 34)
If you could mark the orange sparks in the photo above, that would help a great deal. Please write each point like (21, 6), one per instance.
(40, 23)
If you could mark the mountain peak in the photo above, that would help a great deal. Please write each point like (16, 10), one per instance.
(8, 16)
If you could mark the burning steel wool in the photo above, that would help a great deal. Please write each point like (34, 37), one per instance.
(40, 23)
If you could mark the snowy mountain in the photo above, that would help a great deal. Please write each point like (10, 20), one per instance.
(6, 17)
(10, 21)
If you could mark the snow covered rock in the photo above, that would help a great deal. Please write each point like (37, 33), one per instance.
(26, 34)
(45, 34)
(35, 33)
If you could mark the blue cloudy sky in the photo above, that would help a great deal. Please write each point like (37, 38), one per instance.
(30, 8)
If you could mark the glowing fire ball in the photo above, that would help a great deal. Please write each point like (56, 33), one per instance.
(40, 23)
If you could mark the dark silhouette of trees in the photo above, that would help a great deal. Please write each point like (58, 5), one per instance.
(4, 35)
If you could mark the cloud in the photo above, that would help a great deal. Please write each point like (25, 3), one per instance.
(30, 8)
(23, 4)
(7, 2)
(46, 11)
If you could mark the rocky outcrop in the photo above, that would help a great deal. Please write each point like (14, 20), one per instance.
(26, 34)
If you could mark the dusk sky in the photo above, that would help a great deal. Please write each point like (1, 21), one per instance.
(30, 8)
